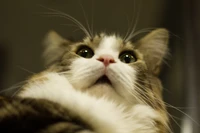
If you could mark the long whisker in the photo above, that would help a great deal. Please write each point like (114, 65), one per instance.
(71, 25)
(71, 19)
(145, 94)
(131, 23)
(168, 105)
(176, 108)
(86, 20)
(13, 87)
(135, 24)
(26, 70)
(146, 30)
(92, 21)
(147, 83)
(67, 16)
(9, 89)
(16, 92)
(76, 30)
(173, 118)
(133, 30)
(138, 87)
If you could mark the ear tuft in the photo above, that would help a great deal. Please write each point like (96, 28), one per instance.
(54, 47)
(154, 47)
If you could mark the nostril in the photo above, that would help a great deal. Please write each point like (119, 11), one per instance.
(112, 61)
(101, 59)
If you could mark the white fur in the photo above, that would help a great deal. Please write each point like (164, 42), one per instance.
(103, 115)
(109, 45)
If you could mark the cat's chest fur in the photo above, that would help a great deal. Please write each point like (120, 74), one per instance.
(100, 113)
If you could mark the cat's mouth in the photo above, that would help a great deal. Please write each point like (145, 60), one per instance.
(103, 80)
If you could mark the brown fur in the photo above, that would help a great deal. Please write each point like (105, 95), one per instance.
(61, 54)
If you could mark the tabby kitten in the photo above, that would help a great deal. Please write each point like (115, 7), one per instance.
(102, 84)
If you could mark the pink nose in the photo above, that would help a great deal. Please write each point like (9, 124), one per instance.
(106, 59)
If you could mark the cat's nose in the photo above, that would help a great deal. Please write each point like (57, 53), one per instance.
(106, 59)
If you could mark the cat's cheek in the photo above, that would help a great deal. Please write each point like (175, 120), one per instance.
(85, 72)
(123, 79)
(121, 75)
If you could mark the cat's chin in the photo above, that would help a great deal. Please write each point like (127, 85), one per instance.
(103, 80)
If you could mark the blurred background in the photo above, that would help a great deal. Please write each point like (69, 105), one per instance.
(23, 27)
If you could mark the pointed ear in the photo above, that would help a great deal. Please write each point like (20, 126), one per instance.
(55, 46)
(154, 47)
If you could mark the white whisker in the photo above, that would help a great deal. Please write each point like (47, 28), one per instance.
(131, 23)
(135, 25)
(20, 84)
(86, 20)
(67, 16)
(168, 105)
(92, 20)
(26, 70)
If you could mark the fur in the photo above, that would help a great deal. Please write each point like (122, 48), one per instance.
(120, 97)
(103, 115)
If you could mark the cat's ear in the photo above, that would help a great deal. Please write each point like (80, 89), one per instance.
(54, 47)
(154, 47)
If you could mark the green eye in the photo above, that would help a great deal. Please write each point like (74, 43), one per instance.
(85, 52)
(127, 57)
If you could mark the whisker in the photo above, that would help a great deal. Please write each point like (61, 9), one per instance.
(26, 70)
(131, 23)
(172, 117)
(76, 30)
(13, 87)
(146, 30)
(133, 93)
(135, 25)
(92, 21)
(71, 19)
(176, 108)
(173, 34)
(16, 92)
(147, 83)
(145, 96)
(86, 20)
(64, 72)
(70, 25)
(67, 16)
(168, 105)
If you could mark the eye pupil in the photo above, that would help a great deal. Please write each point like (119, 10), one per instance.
(127, 58)
(84, 53)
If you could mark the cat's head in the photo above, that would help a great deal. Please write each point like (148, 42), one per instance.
(129, 69)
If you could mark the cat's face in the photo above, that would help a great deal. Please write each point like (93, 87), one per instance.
(108, 66)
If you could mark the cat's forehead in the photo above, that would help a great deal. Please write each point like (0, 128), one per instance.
(108, 42)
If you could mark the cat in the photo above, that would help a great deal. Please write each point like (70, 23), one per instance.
(102, 84)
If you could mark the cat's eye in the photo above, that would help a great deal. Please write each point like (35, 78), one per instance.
(85, 52)
(127, 57)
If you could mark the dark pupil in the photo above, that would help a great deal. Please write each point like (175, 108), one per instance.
(84, 53)
(127, 58)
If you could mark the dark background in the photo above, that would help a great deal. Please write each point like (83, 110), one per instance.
(23, 27)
